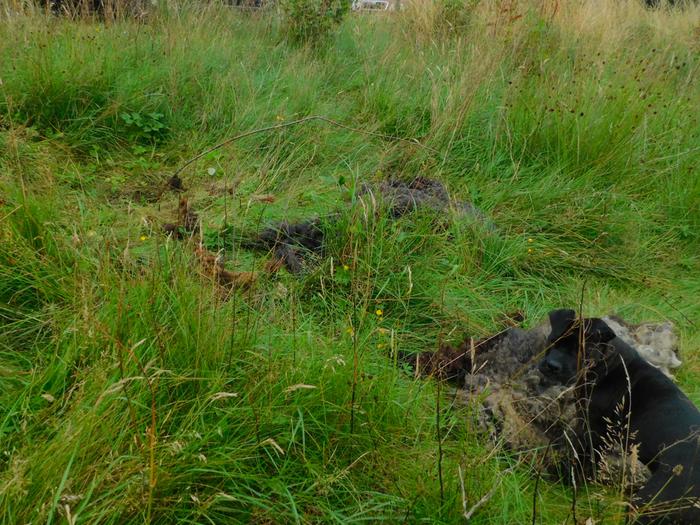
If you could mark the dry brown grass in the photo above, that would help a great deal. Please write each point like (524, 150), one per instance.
(606, 24)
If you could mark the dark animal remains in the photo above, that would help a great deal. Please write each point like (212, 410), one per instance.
(293, 243)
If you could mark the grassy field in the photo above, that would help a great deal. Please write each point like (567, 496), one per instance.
(133, 390)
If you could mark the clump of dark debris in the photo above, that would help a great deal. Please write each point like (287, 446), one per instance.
(406, 196)
(292, 244)
(295, 244)
(175, 183)
(187, 223)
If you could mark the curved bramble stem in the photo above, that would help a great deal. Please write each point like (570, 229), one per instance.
(303, 120)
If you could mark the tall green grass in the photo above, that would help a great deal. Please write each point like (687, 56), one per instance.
(132, 390)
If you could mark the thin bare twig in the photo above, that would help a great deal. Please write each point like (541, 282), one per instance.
(485, 498)
(464, 493)
(665, 299)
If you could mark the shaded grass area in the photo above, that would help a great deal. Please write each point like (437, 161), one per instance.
(133, 390)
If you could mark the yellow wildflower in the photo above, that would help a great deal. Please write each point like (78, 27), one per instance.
(143, 237)
(379, 312)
